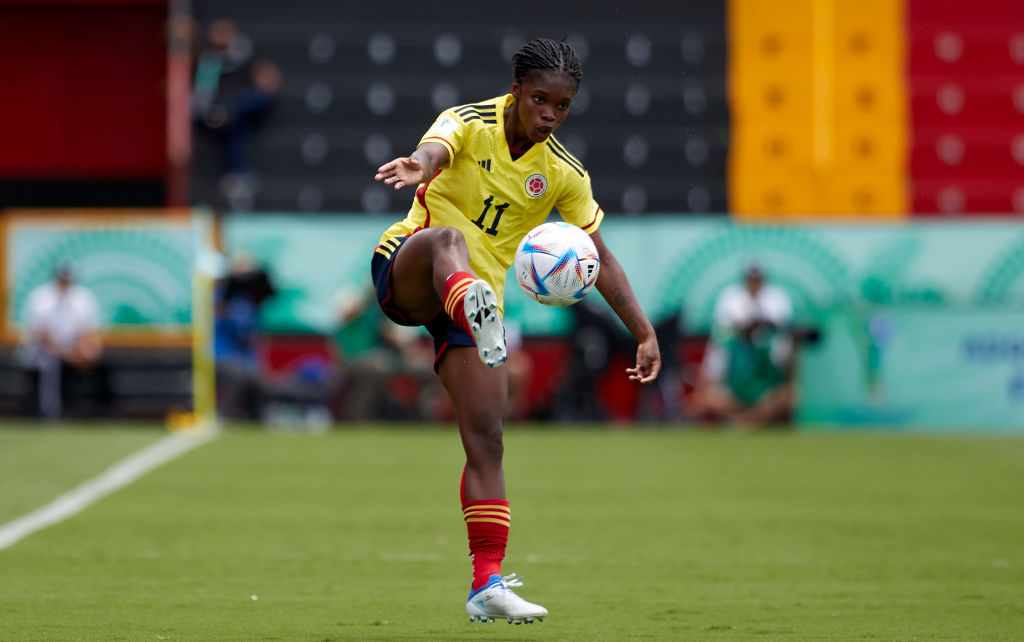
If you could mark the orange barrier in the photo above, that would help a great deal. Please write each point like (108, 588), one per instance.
(818, 109)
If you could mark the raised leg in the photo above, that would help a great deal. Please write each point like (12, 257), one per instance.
(421, 269)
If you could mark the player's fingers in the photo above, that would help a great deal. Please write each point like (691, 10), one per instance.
(392, 167)
(642, 375)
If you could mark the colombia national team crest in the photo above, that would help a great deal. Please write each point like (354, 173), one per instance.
(536, 185)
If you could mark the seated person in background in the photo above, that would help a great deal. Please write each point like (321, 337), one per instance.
(62, 342)
(746, 376)
(238, 299)
(372, 352)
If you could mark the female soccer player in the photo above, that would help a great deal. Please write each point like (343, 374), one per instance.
(488, 173)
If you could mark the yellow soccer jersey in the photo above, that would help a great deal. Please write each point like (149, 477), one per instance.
(493, 200)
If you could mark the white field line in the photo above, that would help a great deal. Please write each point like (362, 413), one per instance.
(114, 478)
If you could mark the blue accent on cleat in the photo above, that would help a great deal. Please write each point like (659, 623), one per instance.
(497, 600)
(491, 581)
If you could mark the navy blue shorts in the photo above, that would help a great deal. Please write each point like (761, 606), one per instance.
(443, 330)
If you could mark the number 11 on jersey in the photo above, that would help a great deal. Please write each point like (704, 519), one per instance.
(498, 211)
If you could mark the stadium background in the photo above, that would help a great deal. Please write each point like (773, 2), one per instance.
(870, 153)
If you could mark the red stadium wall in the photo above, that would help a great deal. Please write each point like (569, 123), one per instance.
(85, 90)
(965, 71)
(876, 107)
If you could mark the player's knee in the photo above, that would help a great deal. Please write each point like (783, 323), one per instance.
(486, 442)
(450, 237)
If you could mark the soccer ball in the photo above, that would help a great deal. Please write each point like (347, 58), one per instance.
(556, 263)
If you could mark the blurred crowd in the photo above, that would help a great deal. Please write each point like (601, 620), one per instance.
(369, 369)
(366, 368)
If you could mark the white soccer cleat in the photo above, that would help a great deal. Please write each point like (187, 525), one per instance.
(497, 600)
(481, 309)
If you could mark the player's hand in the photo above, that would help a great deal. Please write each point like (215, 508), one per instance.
(400, 172)
(648, 362)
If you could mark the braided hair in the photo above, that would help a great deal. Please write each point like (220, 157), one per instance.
(545, 54)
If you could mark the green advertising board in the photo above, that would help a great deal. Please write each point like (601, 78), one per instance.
(313, 258)
(309, 258)
(677, 263)
(905, 367)
(936, 283)
(137, 263)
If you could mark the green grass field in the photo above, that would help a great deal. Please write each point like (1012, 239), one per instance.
(642, 534)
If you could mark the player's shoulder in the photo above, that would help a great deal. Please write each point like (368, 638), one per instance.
(482, 113)
(563, 159)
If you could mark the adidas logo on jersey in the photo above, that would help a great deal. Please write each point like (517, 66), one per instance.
(486, 164)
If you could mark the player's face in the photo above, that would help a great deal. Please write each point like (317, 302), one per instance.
(543, 99)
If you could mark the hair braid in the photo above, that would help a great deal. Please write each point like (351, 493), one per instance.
(545, 54)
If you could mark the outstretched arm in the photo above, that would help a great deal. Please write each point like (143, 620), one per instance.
(614, 287)
(418, 167)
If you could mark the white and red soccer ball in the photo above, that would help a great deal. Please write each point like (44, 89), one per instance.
(556, 263)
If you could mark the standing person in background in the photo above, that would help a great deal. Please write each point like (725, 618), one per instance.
(444, 267)
(232, 97)
(746, 375)
(62, 342)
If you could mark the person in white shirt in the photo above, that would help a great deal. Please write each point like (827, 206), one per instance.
(61, 338)
(746, 377)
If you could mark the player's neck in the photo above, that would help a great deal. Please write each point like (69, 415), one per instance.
(514, 135)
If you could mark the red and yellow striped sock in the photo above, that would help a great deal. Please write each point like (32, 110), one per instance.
(454, 297)
(487, 522)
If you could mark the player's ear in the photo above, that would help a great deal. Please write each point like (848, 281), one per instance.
(515, 90)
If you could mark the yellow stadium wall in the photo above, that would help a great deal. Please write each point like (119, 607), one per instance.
(818, 108)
